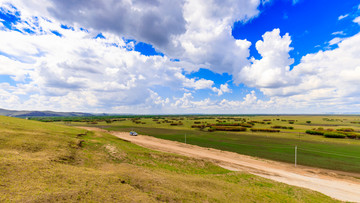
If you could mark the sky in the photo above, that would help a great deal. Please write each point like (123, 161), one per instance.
(181, 56)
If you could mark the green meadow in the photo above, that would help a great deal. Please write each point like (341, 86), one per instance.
(47, 162)
(313, 150)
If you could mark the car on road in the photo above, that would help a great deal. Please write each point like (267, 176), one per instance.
(133, 133)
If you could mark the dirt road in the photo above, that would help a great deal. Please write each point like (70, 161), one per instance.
(337, 185)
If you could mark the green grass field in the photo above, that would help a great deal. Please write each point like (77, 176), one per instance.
(313, 150)
(46, 162)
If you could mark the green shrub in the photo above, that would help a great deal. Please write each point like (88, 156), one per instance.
(345, 129)
(314, 132)
(227, 124)
(308, 121)
(264, 130)
(334, 135)
(228, 128)
(352, 135)
(282, 127)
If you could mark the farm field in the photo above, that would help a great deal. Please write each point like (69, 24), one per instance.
(313, 150)
(46, 162)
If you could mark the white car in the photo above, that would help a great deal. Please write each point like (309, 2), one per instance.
(133, 133)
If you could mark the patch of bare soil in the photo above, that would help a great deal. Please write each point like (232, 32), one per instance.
(340, 185)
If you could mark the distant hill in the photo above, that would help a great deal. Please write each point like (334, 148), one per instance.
(14, 113)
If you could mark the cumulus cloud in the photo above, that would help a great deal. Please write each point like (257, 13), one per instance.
(224, 88)
(207, 41)
(59, 63)
(326, 79)
(69, 69)
(272, 70)
(197, 32)
(193, 83)
(76, 71)
(331, 74)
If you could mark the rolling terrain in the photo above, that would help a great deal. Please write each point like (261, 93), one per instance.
(50, 162)
(23, 114)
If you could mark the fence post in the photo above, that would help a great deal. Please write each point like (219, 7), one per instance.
(295, 154)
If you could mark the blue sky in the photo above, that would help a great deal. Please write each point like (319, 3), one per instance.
(311, 24)
(158, 57)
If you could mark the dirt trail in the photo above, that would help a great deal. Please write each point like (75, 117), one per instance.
(338, 185)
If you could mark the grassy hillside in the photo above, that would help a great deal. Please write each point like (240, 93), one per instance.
(23, 114)
(49, 162)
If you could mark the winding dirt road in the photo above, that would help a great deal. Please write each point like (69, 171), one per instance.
(339, 185)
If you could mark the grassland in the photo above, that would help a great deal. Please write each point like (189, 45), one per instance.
(313, 150)
(46, 162)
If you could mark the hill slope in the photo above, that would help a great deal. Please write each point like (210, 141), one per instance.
(49, 162)
(14, 113)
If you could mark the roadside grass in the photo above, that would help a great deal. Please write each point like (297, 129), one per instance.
(45, 162)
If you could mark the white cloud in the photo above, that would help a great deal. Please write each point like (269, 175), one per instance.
(335, 40)
(197, 32)
(224, 88)
(326, 80)
(343, 16)
(78, 72)
(357, 20)
(273, 69)
(338, 33)
(8, 100)
(193, 83)
(207, 41)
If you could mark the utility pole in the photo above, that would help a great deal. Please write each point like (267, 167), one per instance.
(295, 154)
